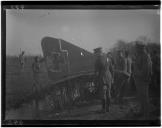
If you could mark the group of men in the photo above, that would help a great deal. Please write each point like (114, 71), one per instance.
(117, 74)
(113, 74)
(35, 66)
(36, 69)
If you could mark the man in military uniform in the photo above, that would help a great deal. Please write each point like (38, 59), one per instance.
(142, 73)
(127, 70)
(103, 78)
(109, 55)
(36, 85)
(22, 60)
(121, 76)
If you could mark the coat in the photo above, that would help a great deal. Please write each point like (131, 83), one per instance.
(103, 71)
(142, 67)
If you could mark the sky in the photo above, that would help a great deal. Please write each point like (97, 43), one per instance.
(87, 29)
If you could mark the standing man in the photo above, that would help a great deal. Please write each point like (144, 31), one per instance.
(111, 60)
(22, 60)
(109, 78)
(121, 76)
(142, 74)
(128, 69)
(36, 72)
(111, 64)
(103, 78)
(120, 61)
(36, 85)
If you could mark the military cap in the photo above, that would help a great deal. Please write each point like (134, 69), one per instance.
(98, 50)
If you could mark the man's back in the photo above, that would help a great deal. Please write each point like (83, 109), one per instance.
(21, 58)
(100, 65)
(129, 65)
(120, 63)
(142, 66)
(36, 67)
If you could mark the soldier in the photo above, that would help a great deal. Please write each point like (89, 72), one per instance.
(103, 78)
(120, 61)
(156, 69)
(112, 67)
(129, 67)
(36, 85)
(109, 55)
(121, 75)
(142, 73)
(36, 71)
(109, 78)
(22, 60)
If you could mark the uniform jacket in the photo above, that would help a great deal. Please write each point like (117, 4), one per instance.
(142, 66)
(103, 70)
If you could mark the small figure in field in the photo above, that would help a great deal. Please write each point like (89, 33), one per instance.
(142, 74)
(36, 68)
(103, 77)
(22, 60)
(36, 72)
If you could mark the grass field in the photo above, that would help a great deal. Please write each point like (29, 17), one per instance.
(19, 83)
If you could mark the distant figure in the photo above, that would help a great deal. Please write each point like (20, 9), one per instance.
(142, 74)
(103, 78)
(22, 60)
(36, 71)
(36, 85)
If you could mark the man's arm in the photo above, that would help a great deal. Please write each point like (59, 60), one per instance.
(112, 71)
(150, 64)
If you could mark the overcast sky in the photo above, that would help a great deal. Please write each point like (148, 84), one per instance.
(85, 28)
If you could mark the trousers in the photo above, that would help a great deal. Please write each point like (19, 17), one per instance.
(143, 95)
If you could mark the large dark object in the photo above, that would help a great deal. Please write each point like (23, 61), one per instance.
(65, 60)
(71, 71)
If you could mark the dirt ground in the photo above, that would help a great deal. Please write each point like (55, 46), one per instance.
(18, 87)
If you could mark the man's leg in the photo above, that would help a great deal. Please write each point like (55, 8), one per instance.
(121, 92)
(145, 101)
(142, 95)
(102, 98)
(36, 101)
(108, 100)
(108, 97)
